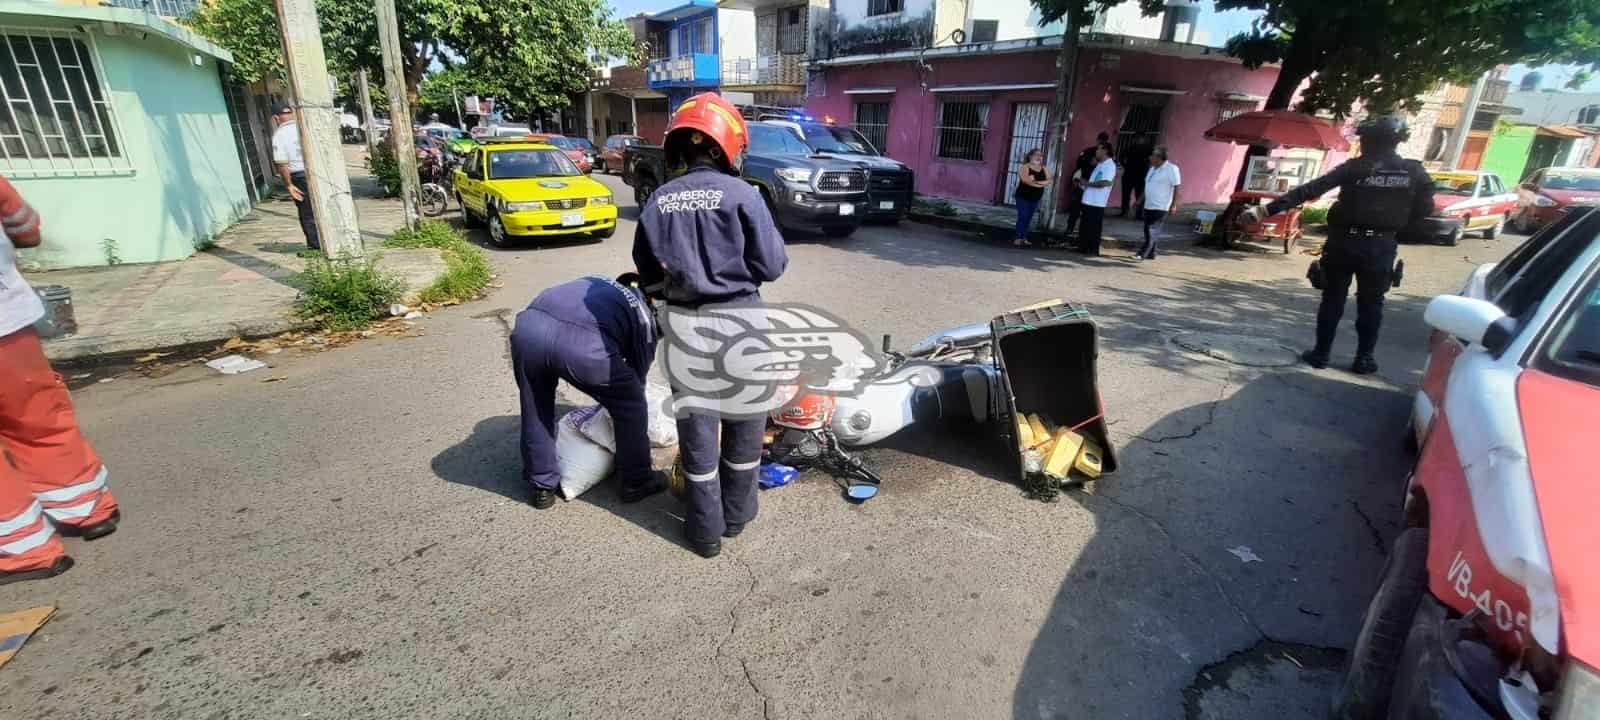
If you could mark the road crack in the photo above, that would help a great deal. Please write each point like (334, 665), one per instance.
(733, 627)
(1260, 652)
(1377, 537)
(1192, 561)
(1211, 415)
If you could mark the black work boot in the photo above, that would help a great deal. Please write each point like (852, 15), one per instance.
(1315, 358)
(1364, 364)
(61, 565)
(542, 499)
(706, 550)
(652, 485)
(733, 530)
(94, 531)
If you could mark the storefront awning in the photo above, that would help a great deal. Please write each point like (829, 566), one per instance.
(1238, 97)
(870, 91)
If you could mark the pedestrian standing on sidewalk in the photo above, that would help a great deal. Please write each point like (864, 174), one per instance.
(1081, 169)
(706, 243)
(51, 480)
(291, 164)
(1032, 178)
(1096, 195)
(1161, 183)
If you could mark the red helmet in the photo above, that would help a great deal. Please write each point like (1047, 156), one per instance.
(805, 412)
(708, 119)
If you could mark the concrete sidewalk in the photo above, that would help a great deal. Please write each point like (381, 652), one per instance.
(241, 287)
(987, 219)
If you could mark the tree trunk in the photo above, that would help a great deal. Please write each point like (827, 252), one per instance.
(1295, 69)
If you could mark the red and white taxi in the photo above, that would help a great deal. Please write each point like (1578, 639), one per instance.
(1465, 201)
(1489, 606)
(1552, 191)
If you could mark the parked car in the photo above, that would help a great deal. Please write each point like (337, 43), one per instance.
(1550, 192)
(1465, 201)
(889, 182)
(1485, 606)
(525, 189)
(503, 130)
(590, 152)
(803, 192)
(611, 154)
(568, 146)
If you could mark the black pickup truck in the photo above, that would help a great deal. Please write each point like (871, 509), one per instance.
(804, 191)
(889, 181)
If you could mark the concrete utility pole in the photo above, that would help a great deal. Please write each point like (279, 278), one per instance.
(399, 110)
(1458, 138)
(369, 130)
(1061, 121)
(318, 121)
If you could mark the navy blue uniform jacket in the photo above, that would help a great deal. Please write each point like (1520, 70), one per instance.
(705, 237)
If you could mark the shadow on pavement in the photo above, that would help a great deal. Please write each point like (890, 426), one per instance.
(917, 245)
(1140, 321)
(1166, 613)
(491, 459)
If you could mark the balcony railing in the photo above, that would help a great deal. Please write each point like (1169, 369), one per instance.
(164, 8)
(696, 69)
(764, 70)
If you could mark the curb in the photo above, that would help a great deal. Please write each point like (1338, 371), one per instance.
(999, 233)
(88, 349)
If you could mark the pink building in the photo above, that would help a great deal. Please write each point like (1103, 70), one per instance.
(964, 116)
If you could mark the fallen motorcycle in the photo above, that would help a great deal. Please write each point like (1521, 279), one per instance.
(1027, 378)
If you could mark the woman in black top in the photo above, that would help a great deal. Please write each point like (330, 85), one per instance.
(1032, 178)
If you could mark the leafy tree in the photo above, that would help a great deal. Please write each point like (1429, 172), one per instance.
(1386, 53)
(532, 53)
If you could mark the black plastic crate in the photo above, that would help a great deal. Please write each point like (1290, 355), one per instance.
(1047, 359)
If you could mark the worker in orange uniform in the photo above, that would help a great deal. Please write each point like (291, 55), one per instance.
(50, 479)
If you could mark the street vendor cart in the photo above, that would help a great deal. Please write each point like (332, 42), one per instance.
(1267, 177)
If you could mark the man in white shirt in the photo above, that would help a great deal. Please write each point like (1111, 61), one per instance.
(1096, 194)
(51, 480)
(1161, 183)
(291, 163)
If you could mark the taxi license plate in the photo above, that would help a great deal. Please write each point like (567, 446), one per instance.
(847, 209)
(571, 219)
(886, 205)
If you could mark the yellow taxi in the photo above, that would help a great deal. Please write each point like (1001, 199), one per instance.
(525, 189)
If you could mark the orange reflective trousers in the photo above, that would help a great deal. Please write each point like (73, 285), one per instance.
(48, 473)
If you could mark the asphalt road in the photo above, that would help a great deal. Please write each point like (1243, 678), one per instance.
(352, 541)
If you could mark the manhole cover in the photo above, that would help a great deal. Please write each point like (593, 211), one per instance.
(1247, 350)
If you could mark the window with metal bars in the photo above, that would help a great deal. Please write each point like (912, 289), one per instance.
(962, 127)
(884, 7)
(56, 118)
(872, 121)
(792, 30)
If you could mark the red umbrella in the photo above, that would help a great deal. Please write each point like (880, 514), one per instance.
(1279, 128)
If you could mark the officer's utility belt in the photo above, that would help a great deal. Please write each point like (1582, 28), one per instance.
(742, 298)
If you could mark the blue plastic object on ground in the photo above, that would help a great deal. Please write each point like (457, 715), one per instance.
(776, 475)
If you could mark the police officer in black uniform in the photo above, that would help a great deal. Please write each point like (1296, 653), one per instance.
(706, 241)
(1380, 194)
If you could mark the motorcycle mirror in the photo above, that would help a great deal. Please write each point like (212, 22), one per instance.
(861, 492)
(886, 344)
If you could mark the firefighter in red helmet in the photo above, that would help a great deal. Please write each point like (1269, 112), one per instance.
(706, 241)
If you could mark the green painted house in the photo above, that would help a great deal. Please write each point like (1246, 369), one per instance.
(121, 128)
(1507, 154)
